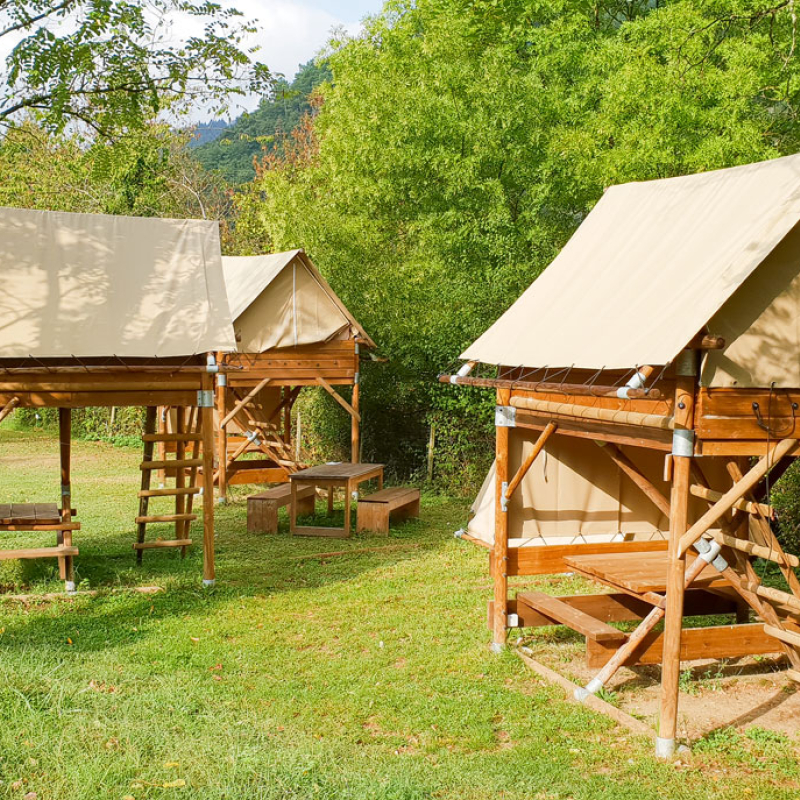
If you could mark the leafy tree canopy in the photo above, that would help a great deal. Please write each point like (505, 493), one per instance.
(115, 64)
(232, 152)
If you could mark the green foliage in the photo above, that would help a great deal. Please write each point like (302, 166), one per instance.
(113, 65)
(232, 153)
(460, 144)
(785, 497)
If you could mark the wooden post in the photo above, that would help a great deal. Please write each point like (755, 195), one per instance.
(355, 424)
(65, 536)
(222, 435)
(207, 428)
(287, 416)
(500, 552)
(180, 474)
(150, 426)
(682, 452)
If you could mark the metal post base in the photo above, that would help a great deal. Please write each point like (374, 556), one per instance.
(207, 584)
(497, 647)
(665, 748)
(69, 587)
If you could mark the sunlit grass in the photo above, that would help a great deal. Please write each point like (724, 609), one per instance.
(363, 676)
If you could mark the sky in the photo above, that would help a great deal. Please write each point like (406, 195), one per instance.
(292, 32)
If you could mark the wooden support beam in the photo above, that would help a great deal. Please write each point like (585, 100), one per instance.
(243, 402)
(629, 468)
(339, 399)
(150, 421)
(500, 552)
(736, 492)
(575, 411)
(8, 407)
(685, 391)
(206, 420)
(64, 536)
(791, 638)
(537, 448)
(752, 549)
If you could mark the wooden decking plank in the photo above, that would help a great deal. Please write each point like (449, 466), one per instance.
(570, 616)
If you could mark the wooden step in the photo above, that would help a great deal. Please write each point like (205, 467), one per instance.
(167, 518)
(38, 552)
(787, 637)
(162, 543)
(169, 492)
(564, 614)
(172, 464)
(172, 437)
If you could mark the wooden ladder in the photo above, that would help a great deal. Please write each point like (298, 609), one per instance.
(182, 469)
(746, 533)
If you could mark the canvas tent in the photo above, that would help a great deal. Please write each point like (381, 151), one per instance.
(107, 311)
(291, 331)
(666, 332)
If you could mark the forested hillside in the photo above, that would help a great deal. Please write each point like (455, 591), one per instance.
(232, 152)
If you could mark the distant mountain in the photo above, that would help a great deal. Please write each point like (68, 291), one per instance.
(231, 152)
(205, 132)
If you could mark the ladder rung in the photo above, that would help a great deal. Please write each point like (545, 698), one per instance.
(794, 674)
(173, 464)
(39, 552)
(777, 596)
(787, 637)
(172, 437)
(162, 543)
(169, 492)
(167, 518)
(757, 550)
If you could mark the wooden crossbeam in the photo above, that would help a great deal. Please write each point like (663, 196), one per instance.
(742, 505)
(243, 402)
(629, 468)
(537, 448)
(338, 398)
(736, 492)
(158, 543)
(8, 407)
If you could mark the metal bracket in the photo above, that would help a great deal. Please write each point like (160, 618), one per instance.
(205, 398)
(512, 621)
(683, 443)
(222, 379)
(503, 498)
(505, 417)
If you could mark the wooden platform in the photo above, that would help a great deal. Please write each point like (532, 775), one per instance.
(639, 573)
(36, 513)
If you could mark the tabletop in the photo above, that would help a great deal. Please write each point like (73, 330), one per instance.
(344, 471)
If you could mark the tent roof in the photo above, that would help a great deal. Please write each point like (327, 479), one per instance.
(647, 269)
(91, 285)
(248, 278)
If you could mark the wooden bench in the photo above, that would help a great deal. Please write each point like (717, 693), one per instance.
(262, 508)
(375, 509)
(37, 517)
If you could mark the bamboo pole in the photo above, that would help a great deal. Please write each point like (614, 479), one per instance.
(752, 549)
(593, 413)
(549, 430)
(500, 556)
(742, 505)
(686, 369)
(736, 492)
(207, 429)
(579, 389)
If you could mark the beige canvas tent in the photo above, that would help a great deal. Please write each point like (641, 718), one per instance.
(291, 331)
(636, 381)
(108, 311)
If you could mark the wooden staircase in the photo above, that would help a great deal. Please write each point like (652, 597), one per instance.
(183, 469)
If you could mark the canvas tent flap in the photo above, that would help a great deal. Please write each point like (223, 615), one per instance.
(574, 494)
(281, 300)
(648, 268)
(90, 285)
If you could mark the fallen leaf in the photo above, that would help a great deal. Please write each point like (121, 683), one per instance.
(128, 797)
(194, 639)
(69, 641)
(171, 764)
(175, 784)
(30, 796)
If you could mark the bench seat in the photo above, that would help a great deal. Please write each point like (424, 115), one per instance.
(375, 510)
(262, 508)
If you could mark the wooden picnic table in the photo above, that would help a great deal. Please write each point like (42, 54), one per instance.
(331, 476)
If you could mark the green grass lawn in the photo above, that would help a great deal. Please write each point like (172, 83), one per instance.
(364, 676)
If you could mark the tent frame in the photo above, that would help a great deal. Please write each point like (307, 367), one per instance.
(689, 424)
(69, 383)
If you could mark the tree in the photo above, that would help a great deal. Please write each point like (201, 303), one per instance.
(114, 65)
(461, 143)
